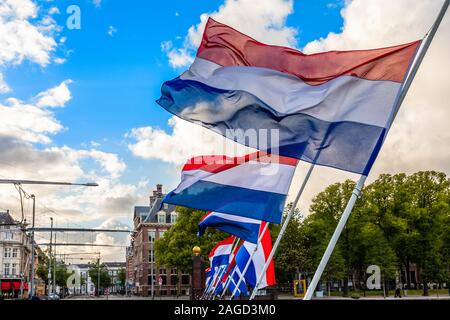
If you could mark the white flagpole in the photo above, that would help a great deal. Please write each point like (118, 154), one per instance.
(209, 287)
(283, 230)
(357, 191)
(227, 283)
(247, 265)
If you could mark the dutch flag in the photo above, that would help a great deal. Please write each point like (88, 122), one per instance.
(331, 108)
(244, 228)
(253, 186)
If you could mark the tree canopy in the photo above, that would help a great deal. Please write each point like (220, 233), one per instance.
(399, 220)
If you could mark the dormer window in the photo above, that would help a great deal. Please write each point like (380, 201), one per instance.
(173, 217)
(161, 217)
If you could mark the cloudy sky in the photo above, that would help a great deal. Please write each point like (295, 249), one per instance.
(79, 104)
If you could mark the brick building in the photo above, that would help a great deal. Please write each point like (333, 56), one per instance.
(150, 223)
(15, 249)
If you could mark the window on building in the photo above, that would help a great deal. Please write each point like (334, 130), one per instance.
(173, 217)
(185, 279)
(14, 252)
(161, 234)
(150, 280)
(7, 253)
(13, 269)
(6, 269)
(162, 271)
(161, 217)
(10, 235)
(151, 236)
(165, 206)
(151, 256)
(173, 271)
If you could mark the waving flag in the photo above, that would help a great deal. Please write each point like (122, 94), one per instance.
(330, 108)
(208, 276)
(244, 228)
(220, 254)
(257, 261)
(253, 186)
(234, 279)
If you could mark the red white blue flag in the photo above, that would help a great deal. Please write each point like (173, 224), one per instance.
(331, 108)
(253, 186)
(257, 260)
(244, 228)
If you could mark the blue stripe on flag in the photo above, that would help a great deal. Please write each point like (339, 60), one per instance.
(210, 196)
(349, 146)
(243, 230)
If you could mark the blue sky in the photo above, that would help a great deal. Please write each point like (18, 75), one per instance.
(116, 79)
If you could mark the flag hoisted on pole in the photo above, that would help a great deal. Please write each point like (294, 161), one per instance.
(251, 259)
(253, 186)
(357, 190)
(244, 228)
(331, 108)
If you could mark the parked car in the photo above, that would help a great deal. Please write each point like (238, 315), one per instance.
(53, 296)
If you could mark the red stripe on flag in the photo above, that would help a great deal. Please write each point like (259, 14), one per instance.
(225, 242)
(228, 47)
(216, 164)
(266, 243)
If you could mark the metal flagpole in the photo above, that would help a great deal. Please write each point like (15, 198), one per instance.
(357, 191)
(247, 265)
(283, 230)
(228, 283)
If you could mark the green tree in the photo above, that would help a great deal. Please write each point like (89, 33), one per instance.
(99, 273)
(174, 249)
(290, 255)
(429, 209)
(122, 277)
(326, 209)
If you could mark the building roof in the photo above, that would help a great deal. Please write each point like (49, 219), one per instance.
(149, 214)
(6, 219)
(115, 264)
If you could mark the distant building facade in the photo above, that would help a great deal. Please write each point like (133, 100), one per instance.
(150, 223)
(15, 250)
(86, 285)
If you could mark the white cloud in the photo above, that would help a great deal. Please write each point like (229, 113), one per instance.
(33, 122)
(264, 20)
(53, 10)
(55, 97)
(4, 88)
(20, 39)
(186, 140)
(111, 30)
(59, 60)
(97, 3)
(178, 57)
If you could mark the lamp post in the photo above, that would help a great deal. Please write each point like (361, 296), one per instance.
(36, 182)
(50, 258)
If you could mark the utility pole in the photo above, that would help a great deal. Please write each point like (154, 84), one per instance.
(32, 293)
(50, 258)
(98, 276)
(54, 268)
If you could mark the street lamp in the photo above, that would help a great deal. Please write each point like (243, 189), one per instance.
(36, 182)
(50, 257)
